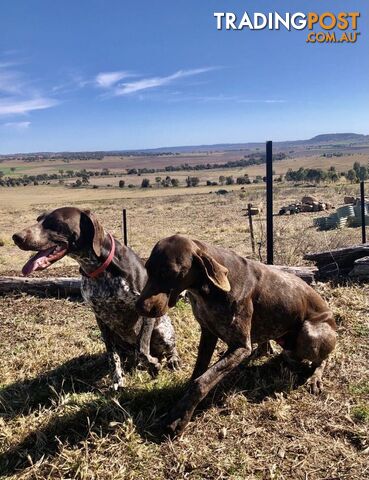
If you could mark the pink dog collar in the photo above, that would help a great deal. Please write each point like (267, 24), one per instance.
(107, 262)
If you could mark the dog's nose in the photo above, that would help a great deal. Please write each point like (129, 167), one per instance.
(18, 238)
(145, 308)
(140, 306)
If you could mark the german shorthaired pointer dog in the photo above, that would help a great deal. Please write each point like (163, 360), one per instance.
(241, 302)
(112, 279)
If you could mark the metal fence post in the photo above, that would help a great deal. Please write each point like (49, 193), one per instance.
(269, 201)
(251, 227)
(362, 198)
(124, 226)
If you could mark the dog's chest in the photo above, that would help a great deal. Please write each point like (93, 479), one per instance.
(111, 298)
(109, 290)
(214, 316)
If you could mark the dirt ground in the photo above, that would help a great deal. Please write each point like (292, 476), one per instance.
(59, 419)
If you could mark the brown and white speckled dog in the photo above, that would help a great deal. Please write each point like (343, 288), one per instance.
(240, 301)
(112, 279)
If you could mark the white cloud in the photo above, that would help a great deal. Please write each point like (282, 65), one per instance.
(10, 82)
(15, 106)
(7, 64)
(261, 101)
(17, 125)
(154, 82)
(108, 79)
(18, 96)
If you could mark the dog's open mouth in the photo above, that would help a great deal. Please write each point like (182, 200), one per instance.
(43, 259)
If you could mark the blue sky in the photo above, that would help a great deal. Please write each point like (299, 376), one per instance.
(118, 74)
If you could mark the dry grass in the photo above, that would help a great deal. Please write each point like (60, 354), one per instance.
(197, 212)
(59, 419)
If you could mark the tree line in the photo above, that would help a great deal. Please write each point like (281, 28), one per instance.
(246, 161)
(83, 175)
(355, 174)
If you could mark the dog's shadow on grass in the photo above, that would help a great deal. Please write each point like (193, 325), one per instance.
(107, 412)
(77, 375)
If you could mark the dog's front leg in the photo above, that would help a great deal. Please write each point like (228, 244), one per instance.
(239, 348)
(206, 349)
(114, 357)
(145, 357)
(181, 414)
(118, 377)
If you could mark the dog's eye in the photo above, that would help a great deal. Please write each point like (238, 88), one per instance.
(51, 224)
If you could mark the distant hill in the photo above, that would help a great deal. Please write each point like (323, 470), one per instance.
(326, 139)
(339, 138)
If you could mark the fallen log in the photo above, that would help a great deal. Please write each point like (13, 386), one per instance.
(332, 270)
(361, 269)
(307, 274)
(339, 262)
(60, 287)
(63, 287)
(341, 256)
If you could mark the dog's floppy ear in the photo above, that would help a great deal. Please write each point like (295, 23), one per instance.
(42, 216)
(215, 272)
(98, 231)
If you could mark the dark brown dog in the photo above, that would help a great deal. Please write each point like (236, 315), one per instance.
(112, 279)
(241, 302)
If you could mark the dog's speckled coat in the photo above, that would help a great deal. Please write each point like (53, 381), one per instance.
(113, 302)
(112, 295)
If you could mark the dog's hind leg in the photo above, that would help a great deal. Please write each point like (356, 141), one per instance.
(262, 350)
(315, 341)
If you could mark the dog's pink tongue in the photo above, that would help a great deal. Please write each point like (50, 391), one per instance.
(38, 260)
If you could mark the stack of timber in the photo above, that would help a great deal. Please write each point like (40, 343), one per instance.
(341, 262)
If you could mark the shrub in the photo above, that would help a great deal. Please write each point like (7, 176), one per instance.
(145, 183)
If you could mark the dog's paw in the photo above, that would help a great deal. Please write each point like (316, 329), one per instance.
(118, 382)
(314, 385)
(149, 363)
(173, 428)
(154, 369)
(174, 363)
(177, 419)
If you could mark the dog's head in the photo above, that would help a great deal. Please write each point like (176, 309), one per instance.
(62, 231)
(176, 264)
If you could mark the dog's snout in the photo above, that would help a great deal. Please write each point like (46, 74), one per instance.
(150, 307)
(18, 238)
(142, 307)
